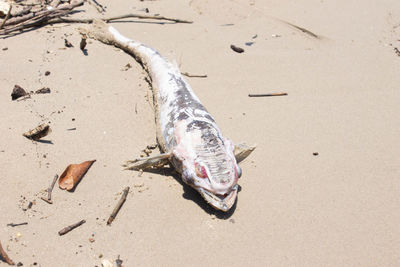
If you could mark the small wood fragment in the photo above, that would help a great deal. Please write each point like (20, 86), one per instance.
(118, 206)
(41, 131)
(18, 92)
(71, 227)
(263, 95)
(67, 43)
(237, 49)
(16, 224)
(194, 75)
(82, 45)
(5, 257)
(44, 90)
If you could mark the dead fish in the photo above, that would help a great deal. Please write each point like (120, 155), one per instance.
(187, 134)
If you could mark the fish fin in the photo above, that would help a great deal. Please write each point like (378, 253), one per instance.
(156, 161)
(242, 151)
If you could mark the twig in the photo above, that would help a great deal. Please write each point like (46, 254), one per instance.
(98, 6)
(262, 95)
(118, 206)
(194, 75)
(71, 227)
(63, 20)
(6, 18)
(16, 224)
(5, 257)
(50, 190)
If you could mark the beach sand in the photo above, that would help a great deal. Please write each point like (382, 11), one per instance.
(337, 208)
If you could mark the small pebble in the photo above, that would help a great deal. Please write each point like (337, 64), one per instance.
(47, 73)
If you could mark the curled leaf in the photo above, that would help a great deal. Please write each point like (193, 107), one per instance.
(41, 131)
(73, 174)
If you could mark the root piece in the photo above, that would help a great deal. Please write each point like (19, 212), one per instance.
(73, 174)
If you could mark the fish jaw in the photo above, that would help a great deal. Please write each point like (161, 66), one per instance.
(221, 202)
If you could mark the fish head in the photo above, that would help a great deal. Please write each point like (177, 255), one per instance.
(209, 166)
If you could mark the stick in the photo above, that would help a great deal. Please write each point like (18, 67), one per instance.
(50, 190)
(194, 75)
(71, 227)
(262, 95)
(16, 224)
(63, 20)
(118, 206)
(5, 256)
(6, 18)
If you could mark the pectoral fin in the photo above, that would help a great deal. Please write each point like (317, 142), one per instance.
(242, 151)
(154, 162)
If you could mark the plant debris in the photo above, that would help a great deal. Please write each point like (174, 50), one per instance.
(18, 92)
(35, 134)
(82, 44)
(118, 206)
(50, 190)
(67, 43)
(263, 95)
(16, 224)
(5, 257)
(71, 227)
(237, 49)
(44, 90)
(73, 174)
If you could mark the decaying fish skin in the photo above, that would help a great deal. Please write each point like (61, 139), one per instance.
(186, 133)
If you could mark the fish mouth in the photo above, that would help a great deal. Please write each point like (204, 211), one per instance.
(220, 202)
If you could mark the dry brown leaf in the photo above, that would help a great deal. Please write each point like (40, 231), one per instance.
(73, 174)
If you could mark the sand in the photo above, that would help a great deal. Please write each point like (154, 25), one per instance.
(337, 208)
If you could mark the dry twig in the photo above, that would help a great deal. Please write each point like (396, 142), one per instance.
(118, 206)
(16, 224)
(50, 190)
(262, 95)
(194, 75)
(71, 227)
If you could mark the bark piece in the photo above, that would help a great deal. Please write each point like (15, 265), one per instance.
(35, 134)
(73, 174)
(18, 92)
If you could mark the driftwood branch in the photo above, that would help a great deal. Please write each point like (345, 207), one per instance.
(5, 257)
(110, 19)
(71, 227)
(38, 18)
(118, 206)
